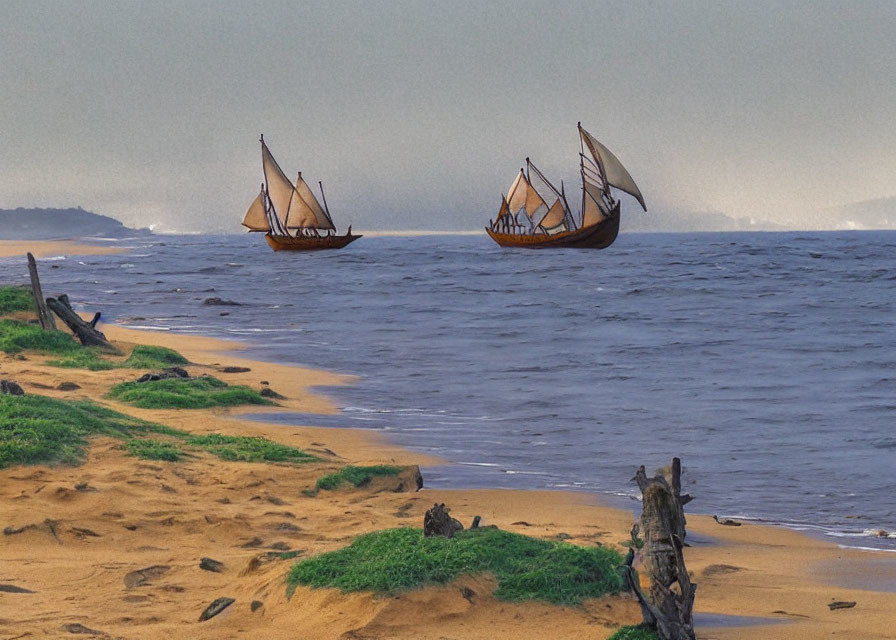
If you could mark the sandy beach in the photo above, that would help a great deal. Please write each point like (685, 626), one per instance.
(115, 544)
(45, 248)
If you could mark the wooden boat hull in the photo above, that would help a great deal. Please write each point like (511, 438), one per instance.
(288, 243)
(595, 236)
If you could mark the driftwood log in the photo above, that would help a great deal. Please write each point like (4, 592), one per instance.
(437, 522)
(669, 607)
(85, 331)
(44, 316)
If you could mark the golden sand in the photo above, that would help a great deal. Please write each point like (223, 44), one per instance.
(44, 248)
(115, 544)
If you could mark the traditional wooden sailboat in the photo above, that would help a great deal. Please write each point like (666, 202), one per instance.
(527, 220)
(290, 216)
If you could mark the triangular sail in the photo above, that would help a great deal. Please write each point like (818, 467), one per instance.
(516, 196)
(613, 172)
(280, 189)
(555, 215)
(300, 214)
(256, 219)
(505, 208)
(320, 218)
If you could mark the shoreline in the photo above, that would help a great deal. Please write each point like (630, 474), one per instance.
(754, 571)
(50, 248)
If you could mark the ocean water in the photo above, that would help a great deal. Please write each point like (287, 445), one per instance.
(766, 361)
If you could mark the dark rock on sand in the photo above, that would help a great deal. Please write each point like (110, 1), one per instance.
(437, 522)
(267, 392)
(215, 608)
(211, 565)
(235, 370)
(11, 387)
(256, 605)
(11, 588)
(77, 627)
(170, 372)
(144, 576)
(841, 604)
(68, 386)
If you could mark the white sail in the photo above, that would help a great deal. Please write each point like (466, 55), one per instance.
(613, 172)
(321, 219)
(255, 219)
(280, 189)
(555, 215)
(300, 214)
(516, 196)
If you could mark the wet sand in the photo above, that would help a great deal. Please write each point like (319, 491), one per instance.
(115, 544)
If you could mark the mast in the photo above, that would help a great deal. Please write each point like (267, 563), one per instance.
(326, 206)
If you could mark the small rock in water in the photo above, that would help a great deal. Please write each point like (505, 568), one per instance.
(220, 302)
(215, 608)
(211, 565)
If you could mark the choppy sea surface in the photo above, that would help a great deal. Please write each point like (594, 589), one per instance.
(766, 361)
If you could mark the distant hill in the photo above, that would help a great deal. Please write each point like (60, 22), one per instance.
(682, 220)
(869, 214)
(47, 224)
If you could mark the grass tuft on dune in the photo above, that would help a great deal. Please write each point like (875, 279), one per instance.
(142, 357)
(14, 299)
(185, 393)
(40, 430)
(356, 476)
(248, 449)
(16, 336)
(639, 632)
(526, 568)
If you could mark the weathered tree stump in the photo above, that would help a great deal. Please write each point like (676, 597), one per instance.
(85, 331)
(44, 316)
(669, 607)
(437, 522)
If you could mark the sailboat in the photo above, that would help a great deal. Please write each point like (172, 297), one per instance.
(290, 216)
(525, 218)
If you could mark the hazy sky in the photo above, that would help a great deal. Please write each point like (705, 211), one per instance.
(418, 114)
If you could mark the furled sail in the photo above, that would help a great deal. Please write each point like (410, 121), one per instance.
(319, 216)
(280, 189)
(255, 219)
(613, 172)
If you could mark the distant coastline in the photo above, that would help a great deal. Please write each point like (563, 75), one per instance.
(58, 224)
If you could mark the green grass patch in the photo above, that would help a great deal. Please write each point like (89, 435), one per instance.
(14, 299)
(248, 449)
(40, 430)
(150, 449)
(142, 357)
(357, 476)
(151, 357)
(185, 393)
(16, 336)
(639, 632)
(526, 568)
